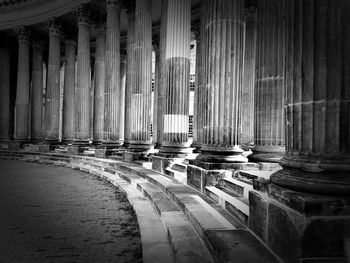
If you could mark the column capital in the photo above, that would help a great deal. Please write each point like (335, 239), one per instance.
(100, 23)
(195, 28)
(156, 44)
(112, 4)
(23, 33)
(123, 53)
(54, 27)
(129, 6)
(83, 14)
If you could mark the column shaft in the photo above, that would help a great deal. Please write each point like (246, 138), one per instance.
(37, 92)
(270, 81)
(112, 85)
(130, 74)
(176, 75)
(156, 138)
(122, 93)
(82, 92)
(69, 92)
(4, 94)
(248, 98)
(197, 111)
(100, 74)
(317, 106)
(141, 91)
(52, 105)
(222, 60)
(22, 93)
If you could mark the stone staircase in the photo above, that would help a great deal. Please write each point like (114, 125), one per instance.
(173, 216)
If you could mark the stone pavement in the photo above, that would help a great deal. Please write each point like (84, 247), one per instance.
(56, 214)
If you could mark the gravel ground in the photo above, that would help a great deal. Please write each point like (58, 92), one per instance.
(56, 214)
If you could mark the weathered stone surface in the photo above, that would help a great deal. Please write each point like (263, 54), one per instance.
(309, 204)
(258, 215)
(195, 177)
(160, 163)
(237, 246)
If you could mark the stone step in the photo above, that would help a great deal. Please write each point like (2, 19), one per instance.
(237, 186)
(252, 174)
(238, 246)
(236, 205)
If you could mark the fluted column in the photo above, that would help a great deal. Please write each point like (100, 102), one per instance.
(37, 92)
(4, 93)
(130, 71)
(123, 61)
(82, 92)
(112, 85)
(248, 98)
(175, 75)
(197, 110)
(318, 100)
(22, 93)
(52, 105)
(142, 88)
(100, 74)
(69, 92)
(270, 81)
(157, 98)
(222, 60)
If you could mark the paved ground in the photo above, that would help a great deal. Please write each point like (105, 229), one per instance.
(56, 214)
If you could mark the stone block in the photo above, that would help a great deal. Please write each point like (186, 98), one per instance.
(160, 163)
(44, 148)
(100, 152)
(14, 146)
(258, 215)
(132, 156)
(237, 246)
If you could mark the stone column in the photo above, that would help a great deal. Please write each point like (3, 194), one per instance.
(82, 92)
(37, 92)
(142, 88)
(270, 81)
(22, 93)
(52, 105)
(130, 70)
(4, 94)
(307, 215)
(112, 85)
(69, 92)
(175, 76)
(100, 74)
(197, 110)
(222, 82)
(248, 98)
(123, 61)
(157, 98)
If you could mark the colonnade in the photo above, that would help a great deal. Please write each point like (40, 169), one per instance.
(272, 77)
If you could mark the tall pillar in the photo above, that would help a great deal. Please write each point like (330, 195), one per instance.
(52, 105)
(130, 70)
(270, 81)
(248, 98)
(197, 110)
(123, 61)
(100, 74)
(157, 98)
(222, 60)
(4, 94)
(37, 92)
(69, 92)
(82, 91)
(112, 85)
(22, 93)
(307, 214)
(175, 76)
(141, 90)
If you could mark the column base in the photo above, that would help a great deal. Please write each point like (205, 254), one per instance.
(137, 150)
(175, 150)
(301, 227)
(271, 154)
(106, 149)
